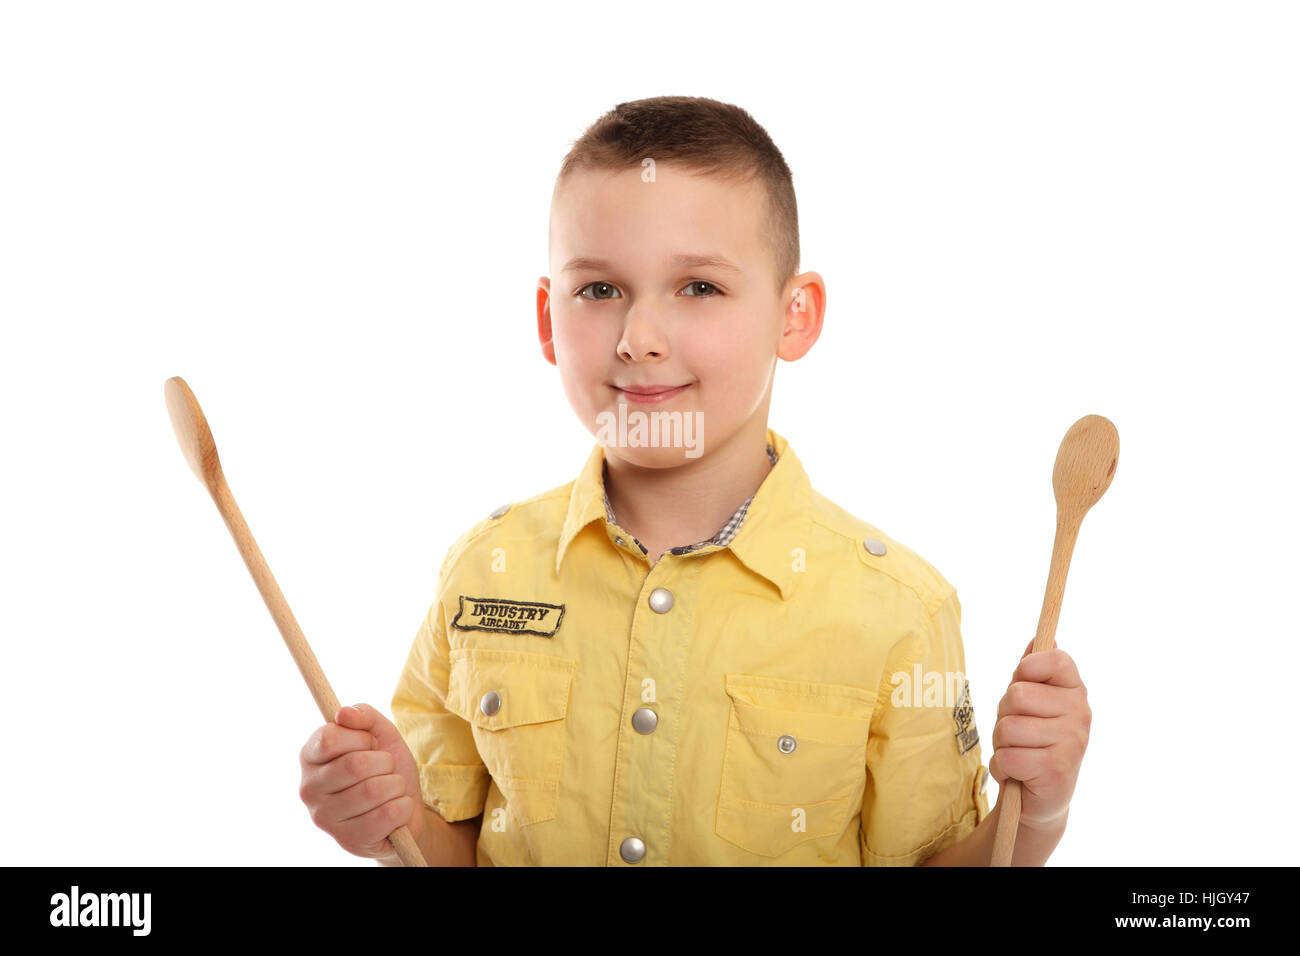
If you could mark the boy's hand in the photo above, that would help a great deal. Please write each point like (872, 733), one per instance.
(1041, 734)
(360, 782)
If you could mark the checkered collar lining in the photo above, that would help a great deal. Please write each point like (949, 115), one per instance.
(725, 533)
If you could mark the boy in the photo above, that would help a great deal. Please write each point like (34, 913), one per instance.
(592, 688)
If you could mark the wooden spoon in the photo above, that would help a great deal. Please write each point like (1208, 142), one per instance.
(201, 452)
(1085, 465)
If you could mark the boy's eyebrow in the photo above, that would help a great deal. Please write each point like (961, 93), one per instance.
(683, 260)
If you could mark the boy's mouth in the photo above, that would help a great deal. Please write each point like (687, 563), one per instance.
(650, 394)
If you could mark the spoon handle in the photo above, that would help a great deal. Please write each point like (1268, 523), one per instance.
(1009, 803)
(403, 843)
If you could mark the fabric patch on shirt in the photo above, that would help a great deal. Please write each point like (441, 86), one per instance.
(963, 715)
(498, 614)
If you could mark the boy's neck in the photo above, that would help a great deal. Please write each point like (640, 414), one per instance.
(671, 507)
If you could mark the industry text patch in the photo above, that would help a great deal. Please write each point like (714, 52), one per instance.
(498, 614)
(963, 715)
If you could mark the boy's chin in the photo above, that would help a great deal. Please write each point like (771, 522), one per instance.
(649, 457)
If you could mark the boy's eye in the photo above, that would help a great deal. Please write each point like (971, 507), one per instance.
(605, 290)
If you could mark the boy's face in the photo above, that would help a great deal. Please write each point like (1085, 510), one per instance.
(639, 313)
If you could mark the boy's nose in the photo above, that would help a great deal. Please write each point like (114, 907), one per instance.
(640, 350)
(643, 338)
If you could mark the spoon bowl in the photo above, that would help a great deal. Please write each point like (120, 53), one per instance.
(1085, 464)
(192, 431)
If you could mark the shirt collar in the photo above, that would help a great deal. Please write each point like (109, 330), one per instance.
(721, 537)
(775, 522)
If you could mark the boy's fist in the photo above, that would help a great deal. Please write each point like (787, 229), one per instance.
(1041, 734)
(360, 782)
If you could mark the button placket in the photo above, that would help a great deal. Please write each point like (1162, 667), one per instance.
(645, 718)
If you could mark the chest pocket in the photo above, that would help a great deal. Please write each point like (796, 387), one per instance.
(794, 767)
(516, 704)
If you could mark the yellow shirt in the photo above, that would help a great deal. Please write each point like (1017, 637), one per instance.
(795, 696)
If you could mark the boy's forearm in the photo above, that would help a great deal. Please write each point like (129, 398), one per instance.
(1033, 844)
(445, 844)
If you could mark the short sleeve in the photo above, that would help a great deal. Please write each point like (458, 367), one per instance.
(924, 770)
(453, 778)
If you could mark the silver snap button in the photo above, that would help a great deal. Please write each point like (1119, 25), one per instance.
(875, 546)
(490, 703)
(645, 720)
(632, 850)
(785, 743)
(499, 512)
(661, 599)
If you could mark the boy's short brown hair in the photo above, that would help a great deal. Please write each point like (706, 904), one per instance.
(706, 136)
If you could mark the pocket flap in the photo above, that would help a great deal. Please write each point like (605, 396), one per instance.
(773, 706)
(532, 688)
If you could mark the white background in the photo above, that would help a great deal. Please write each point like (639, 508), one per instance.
(330, 220)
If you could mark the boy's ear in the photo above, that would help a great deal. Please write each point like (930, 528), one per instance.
(804, 311)
(544, 319)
